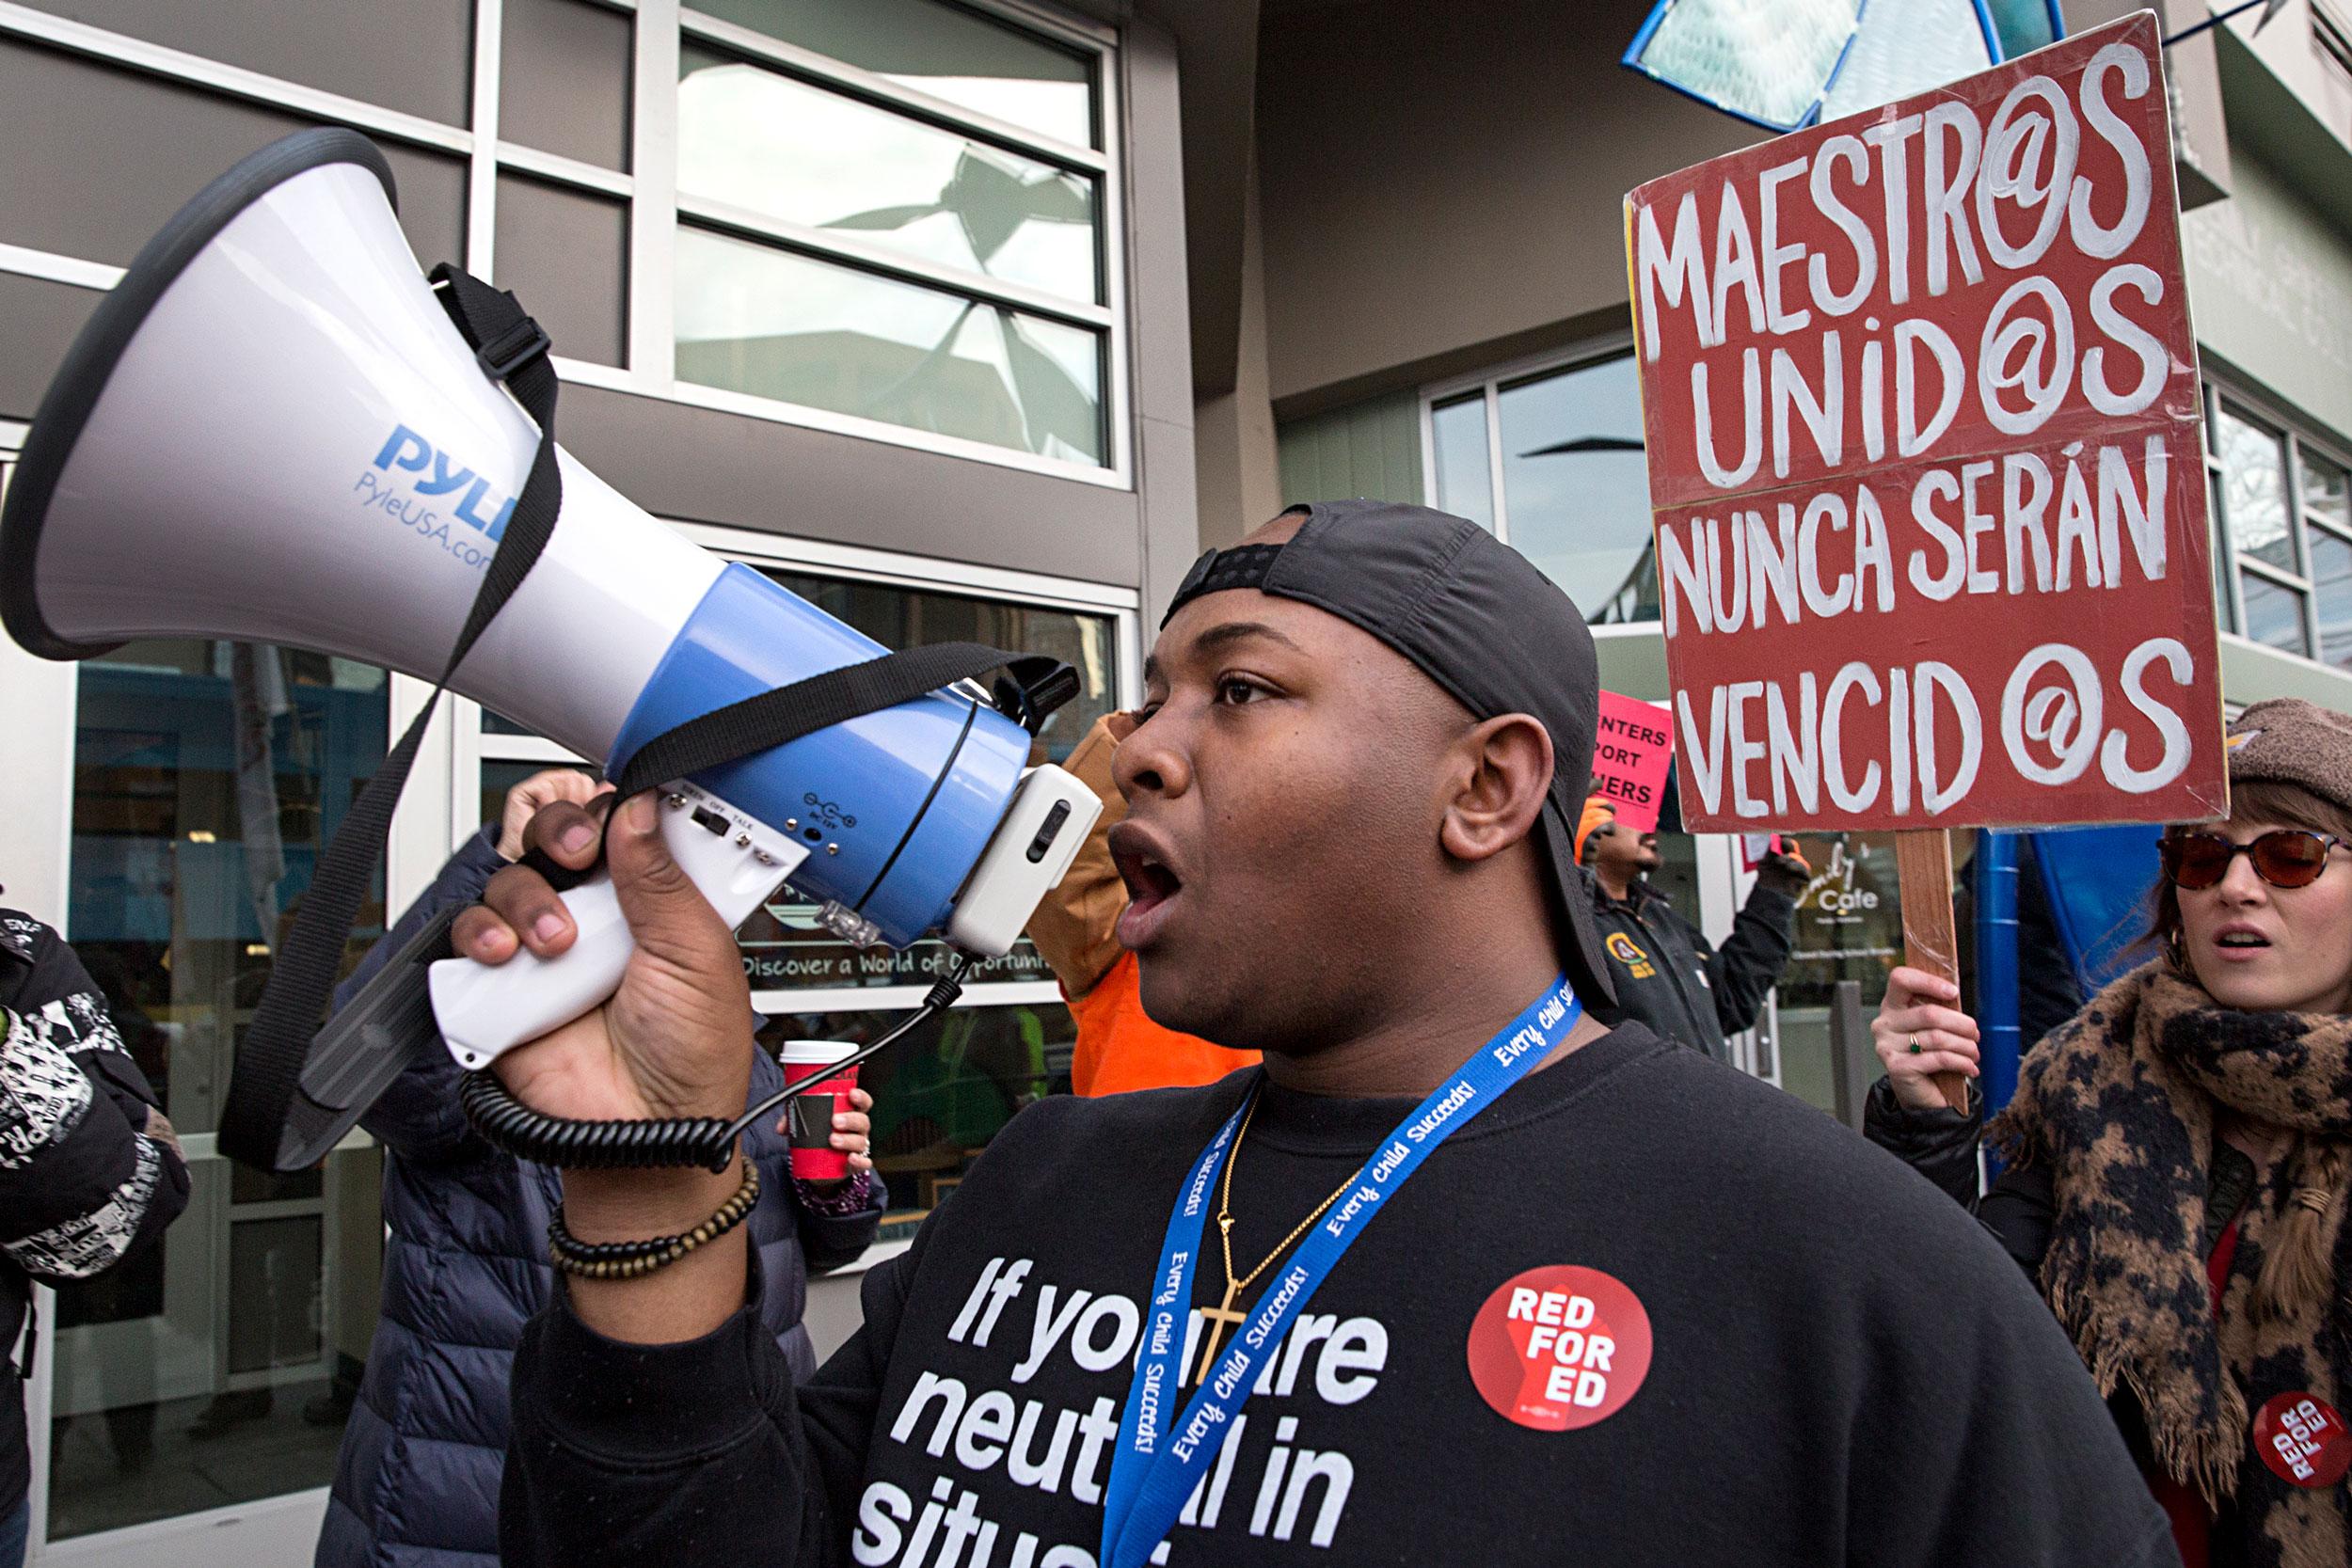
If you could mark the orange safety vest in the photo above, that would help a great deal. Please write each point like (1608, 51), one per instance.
(1120, 1048)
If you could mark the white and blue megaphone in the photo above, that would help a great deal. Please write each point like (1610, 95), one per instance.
(272, 432)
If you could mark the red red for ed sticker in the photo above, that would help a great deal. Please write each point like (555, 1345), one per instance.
(2303, 1440)
(1560, 1348)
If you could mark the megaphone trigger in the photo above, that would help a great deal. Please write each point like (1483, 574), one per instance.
(734, 858)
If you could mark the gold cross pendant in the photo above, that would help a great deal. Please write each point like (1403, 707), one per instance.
(1215, 1321)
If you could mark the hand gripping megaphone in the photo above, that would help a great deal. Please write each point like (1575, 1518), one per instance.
(273, 430)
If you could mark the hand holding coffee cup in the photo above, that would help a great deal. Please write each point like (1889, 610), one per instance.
(827, 1121)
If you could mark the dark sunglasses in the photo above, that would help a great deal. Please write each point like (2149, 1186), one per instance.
(2286, 857)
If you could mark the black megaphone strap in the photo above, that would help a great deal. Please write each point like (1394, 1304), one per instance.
(511, 347)
(786, 713)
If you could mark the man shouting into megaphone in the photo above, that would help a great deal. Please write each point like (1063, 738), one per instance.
(1457, 1276)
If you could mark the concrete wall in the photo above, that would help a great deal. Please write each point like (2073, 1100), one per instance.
(2201, 137)
(2270, 286)
(2291, 51)
(1443, 185)
(1233, 437)
(1370, 449)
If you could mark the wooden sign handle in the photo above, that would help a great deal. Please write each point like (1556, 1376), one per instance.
(1923, 862)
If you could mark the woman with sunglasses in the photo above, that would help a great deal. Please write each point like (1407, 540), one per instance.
(2177, 1156)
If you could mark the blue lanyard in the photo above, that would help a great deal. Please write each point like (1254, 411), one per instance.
(1159, 1461)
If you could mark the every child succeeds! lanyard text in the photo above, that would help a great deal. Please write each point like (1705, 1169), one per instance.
(1158, 1462)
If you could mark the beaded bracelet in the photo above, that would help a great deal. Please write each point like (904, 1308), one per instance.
(629, 1259)
(844, 1200)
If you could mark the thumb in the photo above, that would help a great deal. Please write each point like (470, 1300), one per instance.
(667, 915)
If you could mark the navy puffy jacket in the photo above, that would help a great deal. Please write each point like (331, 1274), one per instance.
(464, 1265)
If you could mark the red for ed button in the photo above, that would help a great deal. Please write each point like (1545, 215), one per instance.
(1558, 1347)
(2303, 1440)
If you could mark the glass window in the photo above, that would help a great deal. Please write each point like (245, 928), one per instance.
(758, 139)
(783, 945)
(1678, 874)
(942, 50)
(2331, 589)
(2223, 616)
(1464, 470)
(2274, 614)
(217, 1367)
(1575, 487)
(1850, 927)
(777, 325)
(2325, 497)
(2327, 508)
(795, 179)
(2254, 491)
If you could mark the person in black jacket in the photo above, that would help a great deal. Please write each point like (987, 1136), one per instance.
(1667, 975)
(90, 1170)
(1349, 843)
(2180, 1154)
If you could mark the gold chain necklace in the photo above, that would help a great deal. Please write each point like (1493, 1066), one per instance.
(1222, 1317)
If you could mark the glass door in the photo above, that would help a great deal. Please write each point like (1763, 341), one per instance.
(217, 1368)
(1850, 927)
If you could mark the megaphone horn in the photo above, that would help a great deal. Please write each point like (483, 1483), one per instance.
(273, 430)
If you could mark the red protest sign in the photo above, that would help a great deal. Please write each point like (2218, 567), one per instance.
(1632, 750)
(1925, 460)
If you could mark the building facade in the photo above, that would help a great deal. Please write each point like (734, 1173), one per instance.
(963, 319)
(888, 300)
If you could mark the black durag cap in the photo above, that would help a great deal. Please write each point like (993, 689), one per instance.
(1473, 615)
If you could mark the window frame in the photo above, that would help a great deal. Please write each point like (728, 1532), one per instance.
(1491, 381)
(2295, 437)
(652, 259)
(648, 193)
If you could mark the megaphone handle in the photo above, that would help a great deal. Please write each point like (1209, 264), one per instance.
(484, 1011)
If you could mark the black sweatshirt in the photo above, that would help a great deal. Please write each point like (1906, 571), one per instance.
(1670, 977)
(1842, 1368)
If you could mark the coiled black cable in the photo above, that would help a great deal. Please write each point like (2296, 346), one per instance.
(506, 1123)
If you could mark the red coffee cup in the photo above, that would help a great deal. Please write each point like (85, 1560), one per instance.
(808, 1066)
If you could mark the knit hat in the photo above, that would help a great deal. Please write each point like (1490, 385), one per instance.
(2288, 741)
(1598, 810)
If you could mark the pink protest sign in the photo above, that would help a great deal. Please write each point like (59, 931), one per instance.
(1630, 752)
